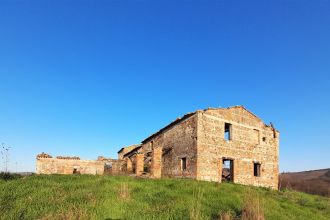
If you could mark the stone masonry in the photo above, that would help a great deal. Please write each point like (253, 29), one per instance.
(46, 164)
(195, 146)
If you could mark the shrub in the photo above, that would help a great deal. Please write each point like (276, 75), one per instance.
(124, 192)
(252, 207)
(226, 216)
(9, 176)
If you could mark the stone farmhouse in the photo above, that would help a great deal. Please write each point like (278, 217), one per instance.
(215, 144)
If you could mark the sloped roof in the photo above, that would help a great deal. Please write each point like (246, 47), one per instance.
(129, 147)
(242, 107)
(129, 153)
(178, 120)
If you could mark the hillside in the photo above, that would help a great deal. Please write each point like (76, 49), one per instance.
(107, 197)
(313, 181)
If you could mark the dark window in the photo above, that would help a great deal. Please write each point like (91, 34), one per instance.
(256, 169)
(146, 168)
(264, 139)
(183, 163)
(227, 131)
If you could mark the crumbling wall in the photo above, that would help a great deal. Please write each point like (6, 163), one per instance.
(139, 164)
(117, 167)
(112, 166)
(169, 147)
(46, 164)
(251, 141)
(134, 161)
(69, 166)
(125, 150)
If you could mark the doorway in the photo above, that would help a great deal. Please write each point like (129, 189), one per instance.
(227, 170)
(76, 170)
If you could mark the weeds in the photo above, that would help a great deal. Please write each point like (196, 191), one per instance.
(226, 216)
(196, 210)
(252, 207)
(108, 197)
(124, 192)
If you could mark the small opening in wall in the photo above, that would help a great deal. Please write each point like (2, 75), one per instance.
(257, 135)
(227, 170)
(107, 168)
(256, 169)
(183, 164)
(227, 131)
(146, 168)
(75, 171)
(134, 166)
(264, 139)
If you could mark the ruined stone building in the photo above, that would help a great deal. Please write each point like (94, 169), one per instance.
(216, 144)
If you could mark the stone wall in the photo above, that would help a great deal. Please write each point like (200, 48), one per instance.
(46, 164)
(125, 150)
(117, 167)
(139, 164)
(67, 166)
(251, 141)
(113, 166)
(173, 144)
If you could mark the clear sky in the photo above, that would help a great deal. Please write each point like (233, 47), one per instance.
(85, 78)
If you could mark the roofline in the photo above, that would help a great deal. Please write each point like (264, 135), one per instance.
(175, 122)
(242, 106)
(133, 145)
(178, 120)
(131, 151)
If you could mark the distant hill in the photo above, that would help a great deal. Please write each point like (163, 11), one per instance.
(313, 181)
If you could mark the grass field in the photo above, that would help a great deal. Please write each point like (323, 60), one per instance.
(107, 197)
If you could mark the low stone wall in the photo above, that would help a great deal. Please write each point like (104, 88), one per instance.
(46, 164)
(69, 166)
(113, 166)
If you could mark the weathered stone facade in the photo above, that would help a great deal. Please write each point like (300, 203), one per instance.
(196, 146)
(252, 142)
(170, 146)
(125, 150)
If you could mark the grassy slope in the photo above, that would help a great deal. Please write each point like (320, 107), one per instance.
(101, 197)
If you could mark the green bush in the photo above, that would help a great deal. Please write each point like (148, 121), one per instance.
(9, 176)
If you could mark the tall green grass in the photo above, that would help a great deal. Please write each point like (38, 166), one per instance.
(107, 197)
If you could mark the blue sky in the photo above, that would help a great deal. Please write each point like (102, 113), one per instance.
(87, 77)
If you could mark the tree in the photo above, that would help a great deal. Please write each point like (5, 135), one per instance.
(5, 156)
